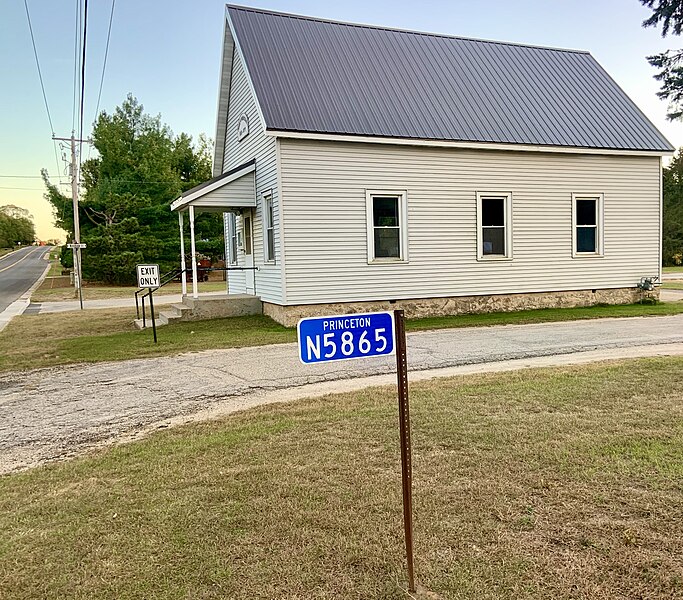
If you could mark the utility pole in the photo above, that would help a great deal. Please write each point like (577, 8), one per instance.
(77, 227)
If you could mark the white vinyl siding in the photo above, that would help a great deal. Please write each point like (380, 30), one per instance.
(325, 228)
(263, 148)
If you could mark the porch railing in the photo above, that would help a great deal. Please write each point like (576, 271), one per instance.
(171, 276)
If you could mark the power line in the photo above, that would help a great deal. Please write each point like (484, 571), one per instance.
(110, 180)
(77, 37)
(40, 74)
(40, 77)
(22, 188)
(85, 34)
(106, 53)
(104, 68)
(27, 176)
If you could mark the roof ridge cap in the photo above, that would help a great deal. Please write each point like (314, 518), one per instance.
(399, 29)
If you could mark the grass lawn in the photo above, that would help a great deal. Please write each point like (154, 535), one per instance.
(555, 483)
(32, 341)
(673, 285)
(546, 315)
(55, 265)
(4, 251)
(672, 269)
(100, 292)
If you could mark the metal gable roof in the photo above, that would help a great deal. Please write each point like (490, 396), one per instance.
(314, 75)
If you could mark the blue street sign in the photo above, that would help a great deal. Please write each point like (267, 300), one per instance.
(341, 337)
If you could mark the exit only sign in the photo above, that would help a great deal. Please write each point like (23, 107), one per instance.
(148, 276)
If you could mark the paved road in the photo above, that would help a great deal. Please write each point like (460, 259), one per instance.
(19, 271)
(52, 413)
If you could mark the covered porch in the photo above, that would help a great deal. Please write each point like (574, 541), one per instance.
(231, 192)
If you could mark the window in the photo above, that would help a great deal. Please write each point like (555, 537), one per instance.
(494, 226)
(587, 226)
(387, 230)
(232, 238)
(269, 224)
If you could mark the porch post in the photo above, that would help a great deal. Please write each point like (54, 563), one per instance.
(183, 278)
(194, 253)
(226, 241)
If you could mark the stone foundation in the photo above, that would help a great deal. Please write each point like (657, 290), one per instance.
(458, 305)
(220, 306)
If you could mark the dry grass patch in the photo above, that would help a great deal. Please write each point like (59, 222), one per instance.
(43, 340)
(562, 483)
(4, 251)
(93, 291)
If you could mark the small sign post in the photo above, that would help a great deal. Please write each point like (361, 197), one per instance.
(406, 451)
(343, 337)
(148, 277)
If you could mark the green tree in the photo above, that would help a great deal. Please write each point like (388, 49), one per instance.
(125, 211)
(672, 228)
(668, 13)
(16, 226)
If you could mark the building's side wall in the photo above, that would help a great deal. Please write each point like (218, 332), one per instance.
(261, 147)
(325, 185)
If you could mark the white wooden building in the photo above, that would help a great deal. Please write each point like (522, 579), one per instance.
(368, 167)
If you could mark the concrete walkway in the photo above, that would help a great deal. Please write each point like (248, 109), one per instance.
(49, 414)
(36, 308)
(670, 295)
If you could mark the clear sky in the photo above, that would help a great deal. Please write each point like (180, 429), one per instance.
(167, 53)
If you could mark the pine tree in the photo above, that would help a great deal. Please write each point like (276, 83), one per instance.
(125, 211)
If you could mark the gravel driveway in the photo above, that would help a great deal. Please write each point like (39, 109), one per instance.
(52, 413)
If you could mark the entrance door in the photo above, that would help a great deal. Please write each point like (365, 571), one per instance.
(249, 273)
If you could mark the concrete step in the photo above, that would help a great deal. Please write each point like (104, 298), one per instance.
(177, 309)
(161, 321)
(169, 314)
(212, 306)
(138, 323)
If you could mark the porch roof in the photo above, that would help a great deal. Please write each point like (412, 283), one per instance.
(233, 189)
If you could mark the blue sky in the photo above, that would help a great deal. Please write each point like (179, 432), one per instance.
(167, 53)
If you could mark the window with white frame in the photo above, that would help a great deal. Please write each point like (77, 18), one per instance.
(387, 226)
(587, 225)
(269, 224)
(494, 225)
(232, 238)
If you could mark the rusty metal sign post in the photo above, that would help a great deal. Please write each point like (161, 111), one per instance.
(406, 451)
(151, 308)
(148, 277)
(343, 337)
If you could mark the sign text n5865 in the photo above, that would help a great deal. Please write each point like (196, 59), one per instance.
(342, 337)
